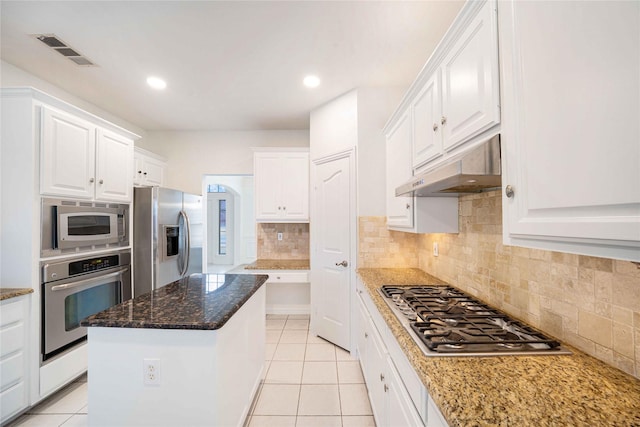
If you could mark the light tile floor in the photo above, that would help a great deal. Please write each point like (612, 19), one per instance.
(68, 408)
(308, 383)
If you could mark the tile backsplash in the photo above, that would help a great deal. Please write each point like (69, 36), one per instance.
(294, 243)
(590, 303)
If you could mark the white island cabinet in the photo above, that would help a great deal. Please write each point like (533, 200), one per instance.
(189, 354)
(571, 128)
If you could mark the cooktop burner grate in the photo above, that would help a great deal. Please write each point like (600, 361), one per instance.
(447, 321)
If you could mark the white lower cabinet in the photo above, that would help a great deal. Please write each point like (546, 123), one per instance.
(14, 384)
(397, 396)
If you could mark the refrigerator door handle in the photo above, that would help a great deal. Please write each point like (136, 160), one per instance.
(187, 244)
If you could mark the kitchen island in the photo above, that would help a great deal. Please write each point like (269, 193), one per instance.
(190, 353)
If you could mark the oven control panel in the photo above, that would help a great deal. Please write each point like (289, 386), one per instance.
(92, 264)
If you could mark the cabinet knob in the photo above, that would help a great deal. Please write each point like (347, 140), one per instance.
(101, 181)
(139, 171)
(386, 388)
(381, 377)
(366, 335)
(91, 180)
(435, 127)
(284, 208)
(408, 206)
(279, 208)
(508, 191)
(144, 173)
(443, 120)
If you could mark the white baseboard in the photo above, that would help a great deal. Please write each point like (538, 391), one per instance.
(288, 309)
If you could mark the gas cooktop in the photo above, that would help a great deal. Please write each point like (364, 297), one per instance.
(445, 321)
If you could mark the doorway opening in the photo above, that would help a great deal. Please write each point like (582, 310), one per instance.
(230, 222)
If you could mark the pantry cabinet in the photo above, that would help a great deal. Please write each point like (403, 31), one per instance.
(148, 169)
(82, 160)
(281, 186)
(14, 356)
(571, 135)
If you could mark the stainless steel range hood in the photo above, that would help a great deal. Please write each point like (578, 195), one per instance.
(473, 172)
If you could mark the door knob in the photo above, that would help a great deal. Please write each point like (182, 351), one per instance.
(343, 264)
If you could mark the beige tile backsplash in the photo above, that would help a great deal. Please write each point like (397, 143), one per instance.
(591, 303)
(294, 243)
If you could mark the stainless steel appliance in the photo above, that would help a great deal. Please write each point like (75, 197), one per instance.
(473, 171)
(167, 237)
(444, 321)
(72, 226)
(73, 289)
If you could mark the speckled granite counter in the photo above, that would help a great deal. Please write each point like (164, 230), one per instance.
(6, 293)
(201, 301)
(279, 264)
(574, 390)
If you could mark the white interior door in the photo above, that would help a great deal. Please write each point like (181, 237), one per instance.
(220, 222)
(333, 219)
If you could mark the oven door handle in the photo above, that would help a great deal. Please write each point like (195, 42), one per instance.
(87, 281)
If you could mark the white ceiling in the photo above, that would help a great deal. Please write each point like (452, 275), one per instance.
(229, 65)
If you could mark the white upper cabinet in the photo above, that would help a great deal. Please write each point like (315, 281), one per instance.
(82, 160)
(67, 164)
(399, 209)
(427, 113)
(470, 80)
(571, 134)
(413, 214)
(114, 158)
(281, 186)
(148, 169)
(455, 99)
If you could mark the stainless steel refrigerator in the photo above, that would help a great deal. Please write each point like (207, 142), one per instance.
(167, 237)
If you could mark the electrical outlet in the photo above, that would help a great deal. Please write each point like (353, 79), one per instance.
(151, 371)
(279, 236)
(435, 249)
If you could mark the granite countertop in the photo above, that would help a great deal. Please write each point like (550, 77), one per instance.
(279, 264)
(6, 293)
(570, 390)
(200, 301)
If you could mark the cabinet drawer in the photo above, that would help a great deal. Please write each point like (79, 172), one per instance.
(12, 312)
(11, 370)
(12, 339)
(302, 277)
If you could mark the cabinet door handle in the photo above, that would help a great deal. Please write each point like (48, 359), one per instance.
(343, 263)
(508, 191)
(443, 120)
(101, 181)
(386, 388)
(139, 171)
(408, 206)
(381, 377)
(145, 173)
(91, 180)
(435, 127)
(284, 208)
(279, 208)
(366, 335)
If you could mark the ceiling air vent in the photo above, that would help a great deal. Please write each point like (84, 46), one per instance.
(63, 49)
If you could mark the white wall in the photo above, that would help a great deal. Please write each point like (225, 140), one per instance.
(12, 76)
(333, 127)
(193, 154)
(356, 119)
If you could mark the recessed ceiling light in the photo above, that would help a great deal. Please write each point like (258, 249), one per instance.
(311, 81)
(156, 83)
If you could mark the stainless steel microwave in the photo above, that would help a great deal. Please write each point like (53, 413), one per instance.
(73, 226)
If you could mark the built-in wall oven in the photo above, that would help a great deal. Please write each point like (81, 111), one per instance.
(74, 226)
(75, 288)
